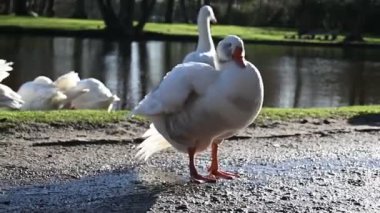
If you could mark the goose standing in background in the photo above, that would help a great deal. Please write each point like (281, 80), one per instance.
(205, 51)
(41, 94)
(196, 106)
(8, 98)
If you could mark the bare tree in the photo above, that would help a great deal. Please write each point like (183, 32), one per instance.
(227, 14)
(169, 11)
(122, 23)
(146, 10)
(80, 9)
(356, 17)
(126, 14)
(109, 16)
(6, 6)
(49, 9)
(20, 7)
(184, 11)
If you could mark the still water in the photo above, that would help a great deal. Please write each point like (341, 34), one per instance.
(293, 76)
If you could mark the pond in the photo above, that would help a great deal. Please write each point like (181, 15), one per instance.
(294, 76)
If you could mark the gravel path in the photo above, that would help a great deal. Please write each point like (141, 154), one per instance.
(306, 166)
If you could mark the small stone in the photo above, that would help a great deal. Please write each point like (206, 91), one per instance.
(182, 207)
(326, 121)
(215, 199)
(5, 202)
(285, 198)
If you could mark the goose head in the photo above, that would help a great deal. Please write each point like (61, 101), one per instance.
(43, 80)
(67, 81)
(206, 12)
(231, 48)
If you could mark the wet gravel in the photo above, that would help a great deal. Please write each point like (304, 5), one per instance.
(303, 166)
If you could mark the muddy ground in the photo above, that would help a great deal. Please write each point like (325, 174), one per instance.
(301, 166)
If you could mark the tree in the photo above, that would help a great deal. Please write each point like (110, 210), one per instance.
(169, 11)
(49, 9)
(146, 10)
(80, 9)
(122, 23)
(355, 19)
(227, 14)
(20, 8)
(6, 6)
(184, 11)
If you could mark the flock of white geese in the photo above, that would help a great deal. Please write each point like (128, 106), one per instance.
(66, 92)
(211, 95)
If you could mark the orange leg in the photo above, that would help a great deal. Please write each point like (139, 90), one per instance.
(214, 168)
(193, 171)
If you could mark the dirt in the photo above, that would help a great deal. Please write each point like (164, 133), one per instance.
(300, 166)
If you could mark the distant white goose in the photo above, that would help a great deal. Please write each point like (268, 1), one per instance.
(86, 93)
(205, 51)
(8, 98)
(195, 106)
(67, 83)
(41, 94)
(99, 96)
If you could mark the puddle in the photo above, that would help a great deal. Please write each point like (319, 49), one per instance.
(307, 167)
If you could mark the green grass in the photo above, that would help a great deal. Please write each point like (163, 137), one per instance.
(51, 23)
(63, 116)
(247, 33)
(102, 117)
(318, 113)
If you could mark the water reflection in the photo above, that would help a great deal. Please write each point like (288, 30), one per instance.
(293, 76)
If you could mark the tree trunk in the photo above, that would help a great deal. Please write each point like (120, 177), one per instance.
(126, 13)
(6, 8)
(169, 11)
(20, 8)
(49, 10)
(110, 19)
(358, 20)
(184, 11)
(41, 7)
(227, 15)
(146, 10)
(80, 9)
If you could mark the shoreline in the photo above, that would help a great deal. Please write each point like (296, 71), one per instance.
(102, 34)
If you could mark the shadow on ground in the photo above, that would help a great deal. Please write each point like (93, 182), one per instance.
(116, 192)
(371, 119)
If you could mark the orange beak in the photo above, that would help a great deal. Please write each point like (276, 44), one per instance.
(238, 57)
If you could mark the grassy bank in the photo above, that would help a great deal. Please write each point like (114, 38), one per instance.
(266, 34)
(102, 117)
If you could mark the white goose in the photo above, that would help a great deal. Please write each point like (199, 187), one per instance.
(205, 51)
(41, 94)
(8, 98)
(98, 97)
(67, 83)
(86, 93)
(195, 106)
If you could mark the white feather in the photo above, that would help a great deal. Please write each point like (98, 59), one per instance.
(5, 67)
(98, 96)
(8, 98)
(41, 94)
